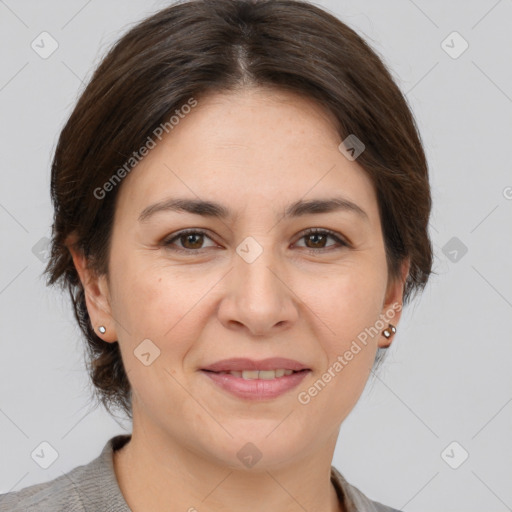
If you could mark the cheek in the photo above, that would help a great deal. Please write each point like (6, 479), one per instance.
(345, 302)
(346, 308)
(153, 300)
(157, 305)
(345, 313)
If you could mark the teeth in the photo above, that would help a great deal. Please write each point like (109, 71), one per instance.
(260, 374)
(252, 374)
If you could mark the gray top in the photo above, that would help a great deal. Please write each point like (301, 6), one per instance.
(93, 487)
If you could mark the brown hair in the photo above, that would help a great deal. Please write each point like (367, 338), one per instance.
(200, 46)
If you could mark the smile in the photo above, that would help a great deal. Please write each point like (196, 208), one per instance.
(256, 384)
(259, 374)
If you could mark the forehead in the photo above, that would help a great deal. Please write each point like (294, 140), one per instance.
(254, 147)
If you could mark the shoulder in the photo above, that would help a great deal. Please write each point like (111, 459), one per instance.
(354, 499)
(379, 507)
(82, 489)
(56, 495)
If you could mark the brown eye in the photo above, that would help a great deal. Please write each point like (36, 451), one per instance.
(316, 239)
(190, 241)
(194, 239)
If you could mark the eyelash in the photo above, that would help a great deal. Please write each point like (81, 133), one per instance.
(313, 231)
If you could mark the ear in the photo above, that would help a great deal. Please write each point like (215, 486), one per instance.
(393, 303)
(97, 295)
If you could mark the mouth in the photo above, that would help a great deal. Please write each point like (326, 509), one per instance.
(246, 365)
(259, 374)
(256, 385)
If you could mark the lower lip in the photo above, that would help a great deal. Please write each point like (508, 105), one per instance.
(256, 389)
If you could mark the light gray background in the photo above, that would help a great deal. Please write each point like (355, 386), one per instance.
(448, 374)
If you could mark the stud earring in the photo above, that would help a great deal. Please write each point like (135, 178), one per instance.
(386, 332)
(102, 329)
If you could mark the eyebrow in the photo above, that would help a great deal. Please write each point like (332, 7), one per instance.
(217, 210)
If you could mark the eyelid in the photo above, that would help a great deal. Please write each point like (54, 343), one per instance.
(341, 240)
(167, 241)
(338, 237)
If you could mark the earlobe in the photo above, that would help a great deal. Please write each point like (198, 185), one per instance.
(96, 296)
(392, 309)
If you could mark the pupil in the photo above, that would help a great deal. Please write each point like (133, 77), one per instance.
(315, 235)
(190, 238)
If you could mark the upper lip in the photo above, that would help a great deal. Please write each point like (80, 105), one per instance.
(239, 364)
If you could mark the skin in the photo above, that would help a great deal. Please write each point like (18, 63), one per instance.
(255, 151)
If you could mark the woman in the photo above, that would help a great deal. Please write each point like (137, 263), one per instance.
(241, 210)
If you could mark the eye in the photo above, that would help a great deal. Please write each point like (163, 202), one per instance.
(191, 240)
(318, 237)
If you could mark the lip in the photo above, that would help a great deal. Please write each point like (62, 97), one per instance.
(239, 363)
(256, 389)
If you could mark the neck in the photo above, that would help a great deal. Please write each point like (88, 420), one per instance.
(153, 475)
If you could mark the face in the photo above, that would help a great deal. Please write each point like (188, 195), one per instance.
(251, 284)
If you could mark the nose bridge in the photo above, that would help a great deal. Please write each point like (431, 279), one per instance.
(255, 268)
(257, 297)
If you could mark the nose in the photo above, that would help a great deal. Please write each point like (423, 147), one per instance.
(258, 298)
